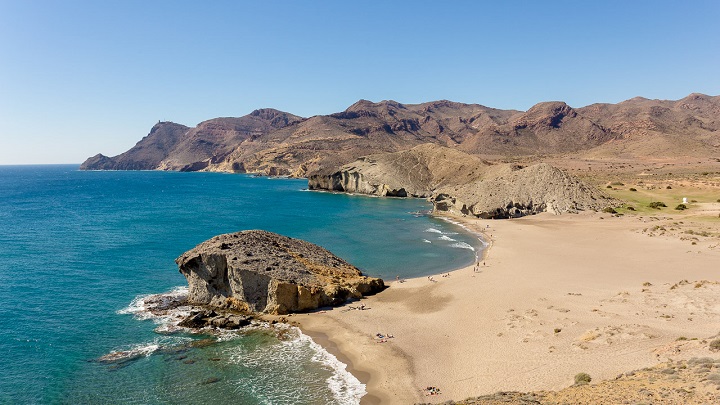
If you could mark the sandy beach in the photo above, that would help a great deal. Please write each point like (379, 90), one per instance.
(557, 295)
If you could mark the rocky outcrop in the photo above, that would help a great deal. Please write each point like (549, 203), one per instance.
(512, 191)
(259, 271)
(412, 173)
(462, 184)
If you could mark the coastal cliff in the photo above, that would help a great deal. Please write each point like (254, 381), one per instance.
(260, 271)
(416, 172)
(461, 184)
(514, 191)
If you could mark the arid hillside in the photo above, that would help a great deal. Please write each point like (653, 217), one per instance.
(272, 142)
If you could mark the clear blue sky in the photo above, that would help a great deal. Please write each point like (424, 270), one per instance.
(82, 77)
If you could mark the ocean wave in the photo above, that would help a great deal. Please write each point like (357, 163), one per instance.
(124, 355)
(462, 245)
(346, 388)
(291, 351)
(433, 230)
(133, 353)
(166, 309)
(426, 241)
(447, 238)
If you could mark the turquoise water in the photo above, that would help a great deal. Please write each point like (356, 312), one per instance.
(78, 248)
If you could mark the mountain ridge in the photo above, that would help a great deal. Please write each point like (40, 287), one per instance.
(273, 142)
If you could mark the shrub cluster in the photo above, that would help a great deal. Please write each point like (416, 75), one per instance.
(582, 378)
(657, 204)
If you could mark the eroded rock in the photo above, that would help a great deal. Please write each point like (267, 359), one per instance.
(260, 271)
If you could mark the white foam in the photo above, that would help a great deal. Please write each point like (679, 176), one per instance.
(159, 308)
(462, 245)
(346, 388)
(433, 230)
(426, 241)
(447, 238)
(136, 351)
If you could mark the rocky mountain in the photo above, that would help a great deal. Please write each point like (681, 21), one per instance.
(171, 146)
(276, 143)
(513, 191)
(464, 184)
(259, 271)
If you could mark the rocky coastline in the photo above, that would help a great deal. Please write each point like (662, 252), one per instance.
(259, 272)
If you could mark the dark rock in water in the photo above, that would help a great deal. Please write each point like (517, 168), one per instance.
(201, 319)
(259, 271)
(210, 380)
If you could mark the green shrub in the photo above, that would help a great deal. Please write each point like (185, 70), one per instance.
(715, 345)
(657, 204)
(608, 186)
(609, 210)
(669, 188)
(582, 378)
(633, 189)
(681, 207)
(630, 208)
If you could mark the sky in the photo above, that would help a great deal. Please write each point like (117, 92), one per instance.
(79, 78)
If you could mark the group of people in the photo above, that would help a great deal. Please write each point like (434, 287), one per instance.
(477, 267)
(383, 338)
(432, 391)
(431, 278)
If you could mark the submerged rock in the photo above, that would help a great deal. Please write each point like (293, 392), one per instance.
(260, 271)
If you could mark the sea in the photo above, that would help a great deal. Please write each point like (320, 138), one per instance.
(81, 251)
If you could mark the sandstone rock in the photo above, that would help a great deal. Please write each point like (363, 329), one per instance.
(259, 271)
(461, 184)
(512, 191)
(416, 172)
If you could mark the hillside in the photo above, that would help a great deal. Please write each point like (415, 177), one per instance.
(272, 142)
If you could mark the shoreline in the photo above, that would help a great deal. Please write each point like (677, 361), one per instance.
(547, 305)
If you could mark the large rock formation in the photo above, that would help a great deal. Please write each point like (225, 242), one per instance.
(259, 271)
(515, 191)
(412, 173)
(463, 184)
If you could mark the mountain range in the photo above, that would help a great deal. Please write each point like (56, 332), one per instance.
(272, 142)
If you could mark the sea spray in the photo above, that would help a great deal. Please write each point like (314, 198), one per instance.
(283, 345)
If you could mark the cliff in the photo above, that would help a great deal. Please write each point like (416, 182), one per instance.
(259, 271)
(463, 184)
(515, 191)
(416, 172)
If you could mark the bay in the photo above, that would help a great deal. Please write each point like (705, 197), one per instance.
(78, 247)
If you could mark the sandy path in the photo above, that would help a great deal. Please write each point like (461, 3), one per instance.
(559, 295)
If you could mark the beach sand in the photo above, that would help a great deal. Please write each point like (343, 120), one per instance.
(559, 295)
